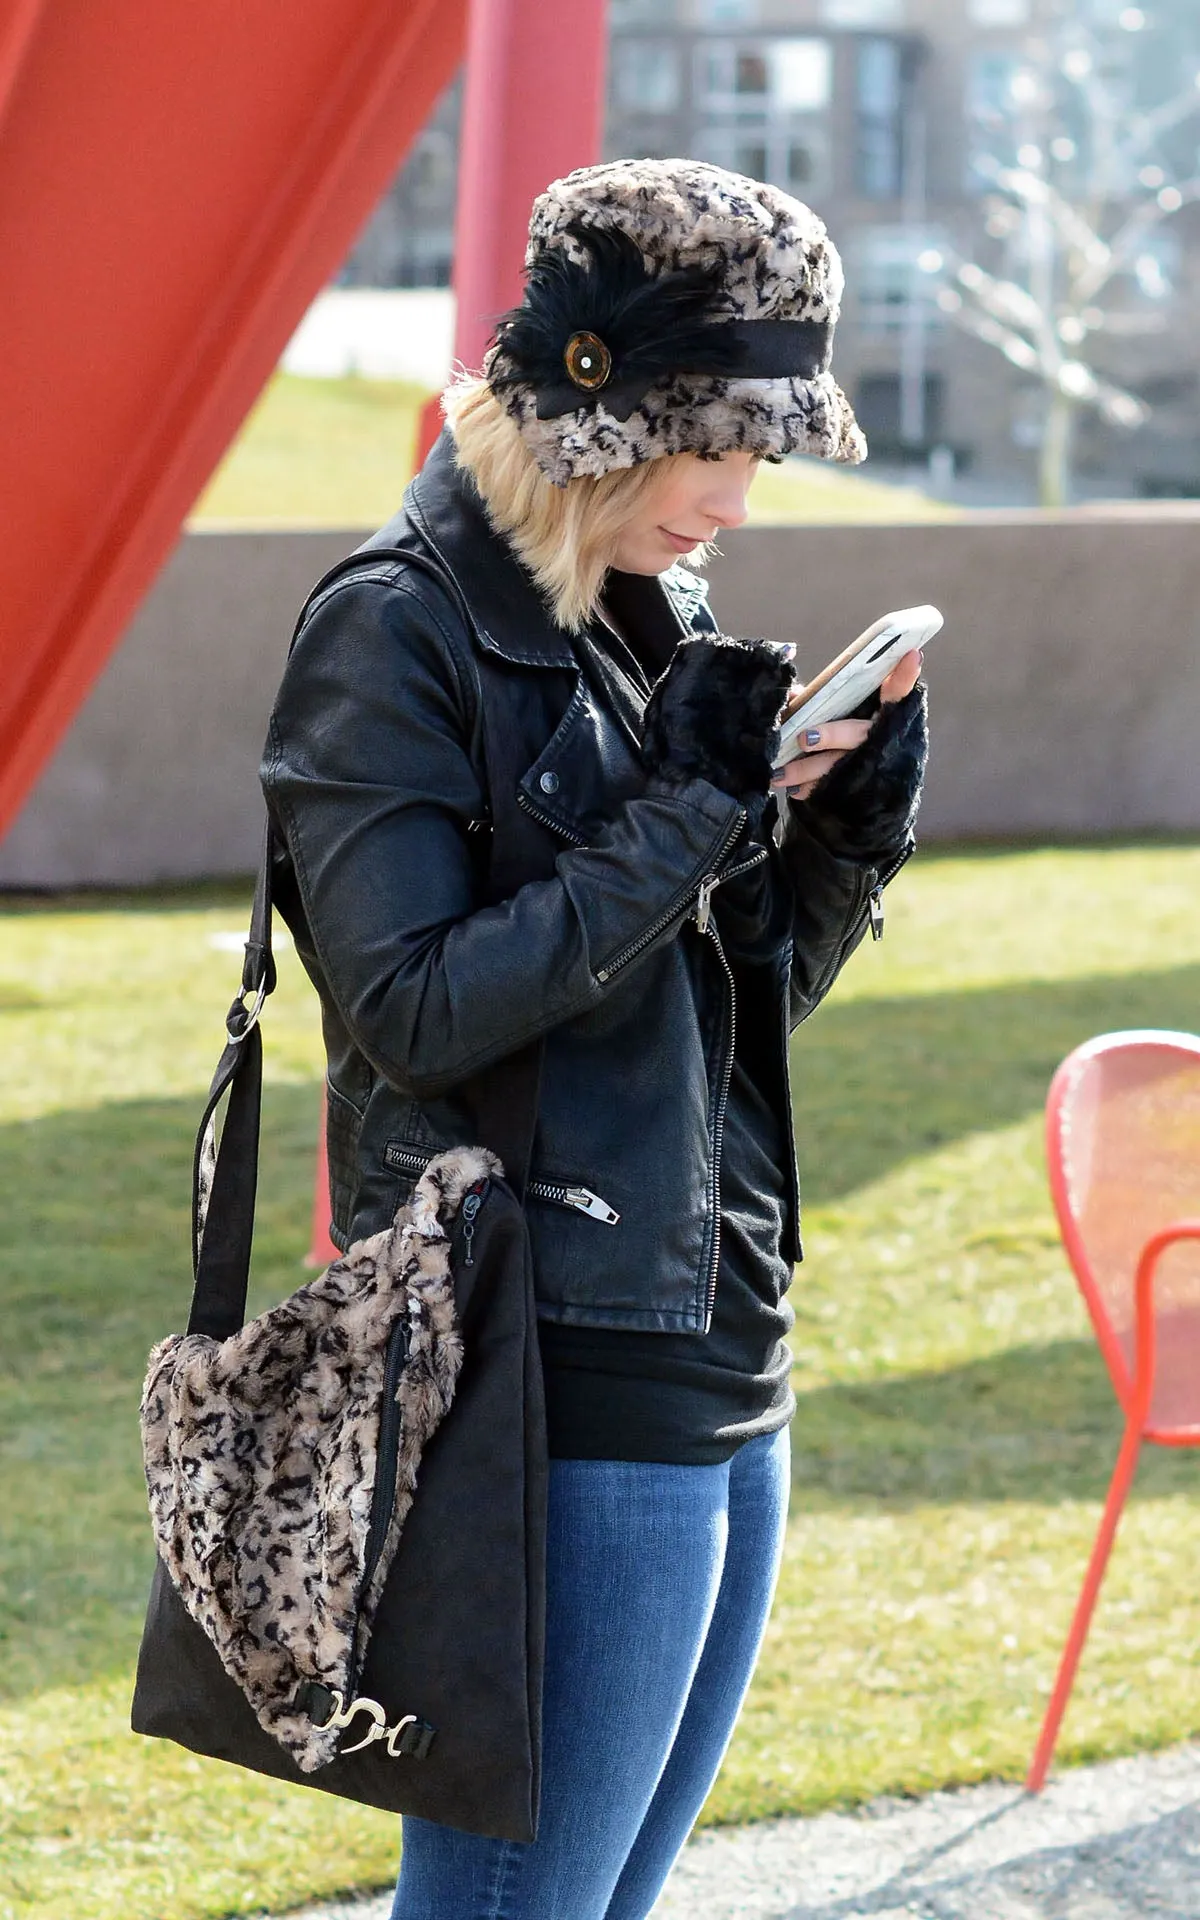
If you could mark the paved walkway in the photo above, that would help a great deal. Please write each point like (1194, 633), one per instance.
(1114, 1842)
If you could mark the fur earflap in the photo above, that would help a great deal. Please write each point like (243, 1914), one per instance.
(262, 1456)
(714, 715)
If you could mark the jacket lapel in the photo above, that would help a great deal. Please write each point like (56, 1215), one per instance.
(592, 759)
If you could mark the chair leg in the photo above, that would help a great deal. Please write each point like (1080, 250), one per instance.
(1119, 1486)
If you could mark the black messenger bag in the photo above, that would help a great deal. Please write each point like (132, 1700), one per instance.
(382, 1642)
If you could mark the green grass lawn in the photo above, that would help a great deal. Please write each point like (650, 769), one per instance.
(340, 453)
(954, 1435)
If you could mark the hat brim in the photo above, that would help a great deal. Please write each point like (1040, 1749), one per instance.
(694, 414)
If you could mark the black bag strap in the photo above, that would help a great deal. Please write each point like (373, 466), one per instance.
(503, 1098)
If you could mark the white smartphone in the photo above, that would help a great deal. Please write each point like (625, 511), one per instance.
(859, 670)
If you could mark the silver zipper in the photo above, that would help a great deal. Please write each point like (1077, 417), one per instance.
(743, 866)
(703, 906)
(704, 900)
(712, 881)
(561, 1193)
(547, 820)
(881, 880)
(581, 1199)
(875, 910)
(651, 933)
(404, 1157)
(719, 1131)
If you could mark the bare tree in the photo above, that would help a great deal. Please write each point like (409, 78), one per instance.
(1072, 218)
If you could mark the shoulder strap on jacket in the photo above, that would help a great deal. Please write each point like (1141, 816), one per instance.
(504, 1098)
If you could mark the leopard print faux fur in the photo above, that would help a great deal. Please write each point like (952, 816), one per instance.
(777, 263)
(261, 1456)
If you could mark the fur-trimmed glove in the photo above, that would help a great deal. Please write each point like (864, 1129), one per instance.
(714, 715)
(866, 804)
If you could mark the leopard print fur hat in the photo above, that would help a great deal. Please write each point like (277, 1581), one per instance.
(672, 306)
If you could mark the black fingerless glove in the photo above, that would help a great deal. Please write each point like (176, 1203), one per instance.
(866, 805)
(714, 715)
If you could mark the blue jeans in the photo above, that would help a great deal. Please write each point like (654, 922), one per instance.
(659, 1582)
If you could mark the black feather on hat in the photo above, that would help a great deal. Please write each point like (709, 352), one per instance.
(610, 328)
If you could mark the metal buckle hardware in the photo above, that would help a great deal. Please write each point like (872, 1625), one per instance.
(343, 1716)
(253, 1013)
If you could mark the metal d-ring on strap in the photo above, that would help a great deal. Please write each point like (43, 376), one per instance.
(253, 1013)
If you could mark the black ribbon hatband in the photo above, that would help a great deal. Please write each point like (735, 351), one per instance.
(742, 350)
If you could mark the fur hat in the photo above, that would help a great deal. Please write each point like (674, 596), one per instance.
(672, 306)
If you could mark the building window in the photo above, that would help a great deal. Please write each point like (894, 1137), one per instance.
(785, 76)
(891, 290)
(862, 13)
(750, 74)
(998, 13)
(641, 13)
(879, 102)
(800, 166)
(645, 76)
(765, 107)
(802, 75)
(805, 163)
(727, 13)
(879, 402)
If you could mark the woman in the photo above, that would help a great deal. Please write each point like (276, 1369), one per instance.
(681, 908)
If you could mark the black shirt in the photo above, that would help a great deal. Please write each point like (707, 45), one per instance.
(687, 1398)
(692, 1398)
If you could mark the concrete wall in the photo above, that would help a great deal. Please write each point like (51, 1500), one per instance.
(1065, 688)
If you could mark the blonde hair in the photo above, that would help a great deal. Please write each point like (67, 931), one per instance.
(566, 536)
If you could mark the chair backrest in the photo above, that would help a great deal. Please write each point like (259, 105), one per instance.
(1123, 1147)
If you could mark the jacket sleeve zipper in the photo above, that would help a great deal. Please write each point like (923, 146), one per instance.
(694, 887)
(869, 891)
(879, 882)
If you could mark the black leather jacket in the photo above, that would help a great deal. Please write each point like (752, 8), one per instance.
(621, 951)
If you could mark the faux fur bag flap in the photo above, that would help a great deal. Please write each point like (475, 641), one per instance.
(281, 1463)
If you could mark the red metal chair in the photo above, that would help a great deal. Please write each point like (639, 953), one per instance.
(1123, 1146)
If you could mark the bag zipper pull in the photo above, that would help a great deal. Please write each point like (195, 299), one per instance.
(472, 1202)
(704, 900)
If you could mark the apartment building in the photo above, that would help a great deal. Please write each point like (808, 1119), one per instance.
(892, 118)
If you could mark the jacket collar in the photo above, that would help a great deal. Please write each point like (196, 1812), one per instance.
(443, 508)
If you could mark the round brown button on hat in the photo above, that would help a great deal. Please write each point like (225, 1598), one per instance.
(588, 361)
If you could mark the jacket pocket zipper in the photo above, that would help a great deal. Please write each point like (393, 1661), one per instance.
(581, 1199)
(560, 1193)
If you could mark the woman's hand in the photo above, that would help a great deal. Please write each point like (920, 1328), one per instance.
(714, 714)
(825, 746)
